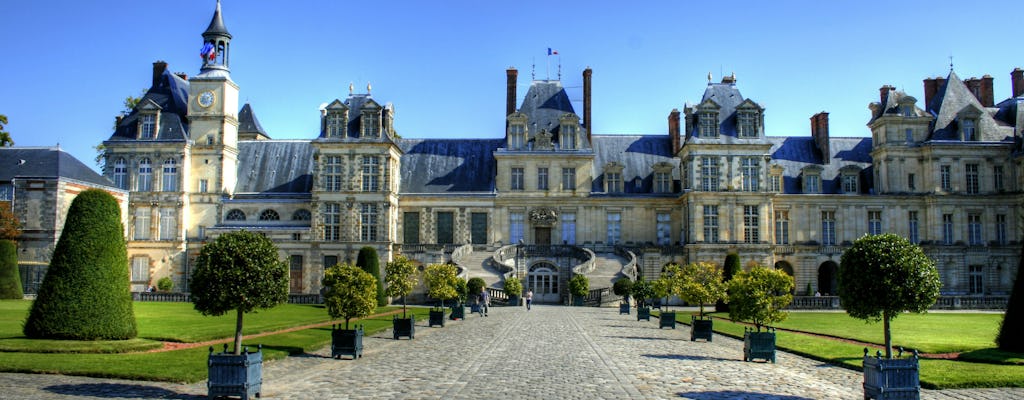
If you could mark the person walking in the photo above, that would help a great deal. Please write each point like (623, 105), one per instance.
(529, 299)
(485, 301)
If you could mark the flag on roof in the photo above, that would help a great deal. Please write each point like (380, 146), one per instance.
(550, 52)
(208, 52)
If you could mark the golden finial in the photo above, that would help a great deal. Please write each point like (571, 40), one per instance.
(351, 88)
(709, 76)
(368, 88)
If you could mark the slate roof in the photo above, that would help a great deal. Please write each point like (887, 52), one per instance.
(544, 104)
(170, 93)
(275, 166)
(248, 124)
(355, 103)
(891, 105)
(217, 25)
(796, 153)
(448, 165)
(45, 162)
(954, 97)
(638, 155)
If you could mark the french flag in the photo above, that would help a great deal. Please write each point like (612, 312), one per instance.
(550, 52)
(208, 52)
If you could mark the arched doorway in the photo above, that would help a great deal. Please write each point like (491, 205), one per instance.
(542, 279)
(828, 274)
(788, 269)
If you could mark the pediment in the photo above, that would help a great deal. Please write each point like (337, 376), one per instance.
(708, 105)
(148, 105)
(371, 105)
(970, 111)
(337, 105)
(749, 105)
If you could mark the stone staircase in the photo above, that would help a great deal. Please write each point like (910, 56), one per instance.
(606, 270)
(478, 265)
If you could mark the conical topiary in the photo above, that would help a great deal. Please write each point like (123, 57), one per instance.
(85, 294)
(10, 281)
(730, 269)
(1010, 332)
(369, 262)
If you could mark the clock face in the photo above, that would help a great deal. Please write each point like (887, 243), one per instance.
(206, 99)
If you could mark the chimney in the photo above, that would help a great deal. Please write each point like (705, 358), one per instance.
(117, 120)
(673, 130)
(931, 85)
(988, 96)
(974, 86)
(586, 102)
(819, 132)
(510, 96)
(1017, 82)
(159, 67)
(883, 93)
(182, 75)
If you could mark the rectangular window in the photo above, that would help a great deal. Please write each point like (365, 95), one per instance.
(148, 126)
(368, 219)
(782, 227)
(568, 178)
(204, 185)
(142, 223)
(911, 185)
(971, 178)
(747, 124)
(751, 224)
(518, 134)
(910, 135)
(6, 192)
(849, 183)
(330, 261)
(568, 137)
(828, 228)
(515, 227)
(170, 175)
(912, 227)
(974, 235)
(371, 174)
(569, 228)
(411, 227)
(542, 178)
(201, 232)
(709, 174)
(664, 228)
(997, 178)
(614, 227)
(295, 273)
(332, 222)
(874, 222)
(711, 224)
(478, 228)
(969, 131)
(947, 228)
(750, 170)
(140, 271)
(335, 124)
(517, 179)
(708, 122)
(776, 182)
(371, 124)
(614, 180)
(1001, 229)
(944, 177)
(812, 184)
(662, 182)
(168, 224)
(445, 227)
(976, 279)
(120, 174)
(332, 174)
(145, 182)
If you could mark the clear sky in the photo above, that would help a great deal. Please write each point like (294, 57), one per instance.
(68, 65)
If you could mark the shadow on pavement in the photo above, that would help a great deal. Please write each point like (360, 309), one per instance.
(686, 357)
(735, 394)
(640, 337)
(119, 390)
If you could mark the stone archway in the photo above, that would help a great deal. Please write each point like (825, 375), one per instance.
(828, 278)
(542, 279)
(788, 269)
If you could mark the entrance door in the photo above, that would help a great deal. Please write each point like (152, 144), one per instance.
(295, 274)
(543, 281)
(542, 236)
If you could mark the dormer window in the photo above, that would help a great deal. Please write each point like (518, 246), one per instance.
(707, 122)
(850, 179)
(968, 130)
(516, 131)
(746, 124)
(569, 129)
(811, 180)
(336, 123)
(147, 126)
(908, 110)
(613, 177)
(663, 177)
(775, 179)
(371, 123)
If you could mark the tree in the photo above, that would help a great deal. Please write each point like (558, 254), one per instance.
(759, 295)
(462, 288)
(10, 227)
(623, 287)
(165, 284)
(441, 282)
(1012, 329)
(238, 271)
(642, 291)
(699, 283)
(729, 270)
(881, 276)
(129, 104)
(351, 292)
(10, 278)
(475, 285)
(579, 286)
(86, 292)
(5, 137)
(513, 287)
(369, 262)
(400, 277)
(661, 288)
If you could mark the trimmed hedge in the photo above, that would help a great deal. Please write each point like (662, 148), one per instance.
(1012, 327)
(370, 262)
(10, 280)
(86, 294)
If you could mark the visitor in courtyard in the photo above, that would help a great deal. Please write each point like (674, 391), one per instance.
(529, 299)
(485, 301)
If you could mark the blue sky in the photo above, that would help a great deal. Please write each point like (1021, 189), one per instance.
(68, 65)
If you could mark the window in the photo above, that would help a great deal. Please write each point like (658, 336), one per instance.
(332, 174)
(828, 228)
(711, 224)
(170, 178)
(664, 228)
(204, 185)
(121, 174)
(812, 183)
(368, 222)
(445, 227)
(542, 178)
(6, 192)
(971, 178)
(147, 126)
(201, 232)
(335, 124)
(614, 181)
(874, 222)
(235, 215)
(976, 279)
(849, 183)
(516, 182)
(515, 227)
(746, 124)
(947, 228)
(912, 227)
(332, 222)
(295, 273)
(330, 261)
(944, 178)
(968, 129)
(910, 135)
(269, 215)
(911, 185)
(568, 178)
(140, 271)
(411, 227)
(997, 178)
(1001, 228)
(371, 174)
(776, 183)
(301, 215)
(782, 227)
(371, 123)
(709, 174)
(908, 110)
(517, 135)
(568, 228)
(750, 170)
(478, 228)
(142, 225)
(568, 137)
(145, 182)
(708, 124)
(974, 236)
(751, 224)
(614, 227)
(168, 224)
(662, 182)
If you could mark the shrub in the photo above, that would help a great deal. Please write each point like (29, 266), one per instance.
(642, 291)
(475, 285)
(513, 287)
(400, 276)
(759, 295)
(351, 292)
(369, 262)
(461, 288)
(881, 276)
(10, 279)
(85, 294)
(730, 268)
(700, 283)
(441, 282)
(10, 227)
(623, 287)
(661, 288)
(809, 291)
(165, 284)
(579, 285)
(1012, 328)
(238, 271)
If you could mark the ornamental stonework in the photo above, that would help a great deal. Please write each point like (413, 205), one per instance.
(543, 216)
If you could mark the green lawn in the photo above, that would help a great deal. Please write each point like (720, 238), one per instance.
(928, 333)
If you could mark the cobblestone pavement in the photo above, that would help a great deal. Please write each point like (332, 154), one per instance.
(550, 352)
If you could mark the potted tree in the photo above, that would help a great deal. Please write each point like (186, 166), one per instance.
(513, 289)
(400, 276)
(350, 293)
(700, 283)
(459, 308)
(238, 271)
(758, 296)
(623, 287)
(642, 291)
(662, 288)
(579, 286)
(881, 276)
(441, 286)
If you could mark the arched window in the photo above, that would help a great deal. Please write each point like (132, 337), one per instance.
(121, 174)
(145, 182)
(301, 215)
(269, 215)
(170, 178)
(235, 215)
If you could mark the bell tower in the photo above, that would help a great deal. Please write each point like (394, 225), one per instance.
(216, 49)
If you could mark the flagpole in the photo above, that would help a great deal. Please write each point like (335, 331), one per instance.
(547, 69)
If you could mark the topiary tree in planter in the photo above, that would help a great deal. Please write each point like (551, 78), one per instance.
(623, 287)
(1012, 329)
(664, 287)
(513, 289)
(579, 287)
(351, 293)
(10, 279)
(400, 276)
(462, 288)
(700, 283)
(730, 268)
(642, 291)
(758, 296)
(441, 280)
(367, 260)
(165, 284)
(85, 294)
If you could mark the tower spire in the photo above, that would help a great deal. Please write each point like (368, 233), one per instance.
(216, 43)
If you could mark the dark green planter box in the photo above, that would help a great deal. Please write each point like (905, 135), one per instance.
(346, 342)
(458, 312)
(436, 317)
(667, 320)
(624, 308)
(235, 375)
(474, 308)
(700, 328)
(577, 301)
(759, 345)
(656, 304)
(404, 327)
(513, 301)
(894, 378)
(643, 313)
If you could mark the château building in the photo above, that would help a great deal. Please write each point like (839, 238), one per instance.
(944, 171)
